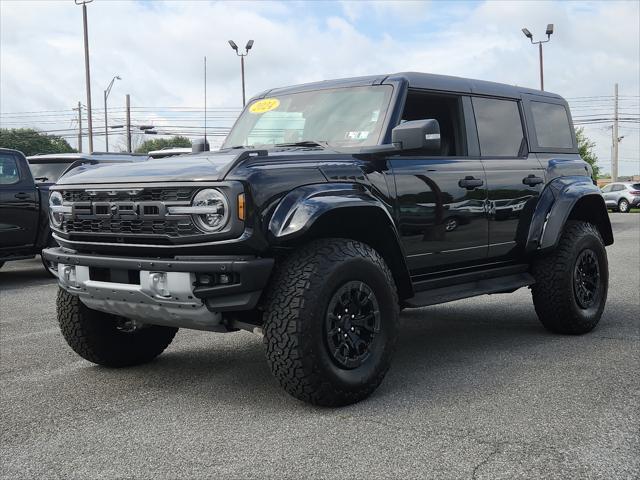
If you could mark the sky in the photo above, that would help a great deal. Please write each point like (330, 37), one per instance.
(158, 48)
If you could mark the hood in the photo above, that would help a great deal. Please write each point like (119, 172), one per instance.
(206, 166)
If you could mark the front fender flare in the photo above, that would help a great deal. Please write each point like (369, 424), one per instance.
(301, 208)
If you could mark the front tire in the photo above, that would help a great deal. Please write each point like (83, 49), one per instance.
(106, 339)
(331, 322)
(572, 281)
(623, 206)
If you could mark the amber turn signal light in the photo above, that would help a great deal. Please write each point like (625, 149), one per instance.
(241, 207)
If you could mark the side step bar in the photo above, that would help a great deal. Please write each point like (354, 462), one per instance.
(504, 284)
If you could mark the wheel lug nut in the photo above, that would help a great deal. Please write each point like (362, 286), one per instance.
(353, 316)
(353, 329)
(345, 335)
(339, 329)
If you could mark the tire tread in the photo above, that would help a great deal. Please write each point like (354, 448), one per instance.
(553, 290)
(284, 332)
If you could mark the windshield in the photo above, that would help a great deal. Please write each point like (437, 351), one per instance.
(350, 117)
(51, 171)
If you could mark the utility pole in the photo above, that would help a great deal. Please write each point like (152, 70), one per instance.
(128, 124)
(79, 127)
(616, 139)
(548, 33)
(86, 69)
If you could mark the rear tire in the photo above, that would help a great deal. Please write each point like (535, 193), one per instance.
(331, 322)
(571, 286)
(623, 206)
(105, 339)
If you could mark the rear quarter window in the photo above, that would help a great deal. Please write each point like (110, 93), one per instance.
(551, 124)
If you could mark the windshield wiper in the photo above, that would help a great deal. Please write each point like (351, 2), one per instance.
(304, 143)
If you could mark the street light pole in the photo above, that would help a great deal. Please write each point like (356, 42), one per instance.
(548, 32)
(106, 126)
(86, 69)
(242, 55)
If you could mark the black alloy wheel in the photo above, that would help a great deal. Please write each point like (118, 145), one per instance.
(352, 324)
(586, 278)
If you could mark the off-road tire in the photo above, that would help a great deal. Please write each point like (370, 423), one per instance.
(554, 295)
(295, 315)
(95, 335)
(623, 206)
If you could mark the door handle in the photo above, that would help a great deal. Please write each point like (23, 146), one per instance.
(532, 180)
(22, 196)
(470, 182)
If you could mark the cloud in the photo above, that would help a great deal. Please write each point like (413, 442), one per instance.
(158, 49)
(404, 11)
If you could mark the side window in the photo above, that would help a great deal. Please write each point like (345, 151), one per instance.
(447, 110)
(499, 127)
(9, 173)
(551, 123)
(606, 188)
(618, 188)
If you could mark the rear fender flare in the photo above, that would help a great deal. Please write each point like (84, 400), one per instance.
(564, 198)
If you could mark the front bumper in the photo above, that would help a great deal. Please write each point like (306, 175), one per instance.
(186, 292)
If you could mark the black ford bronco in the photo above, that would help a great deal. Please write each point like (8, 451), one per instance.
(329, 208)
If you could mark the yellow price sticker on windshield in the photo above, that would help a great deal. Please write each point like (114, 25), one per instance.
(264, 105)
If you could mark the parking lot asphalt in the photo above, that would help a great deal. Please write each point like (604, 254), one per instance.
(478, 389)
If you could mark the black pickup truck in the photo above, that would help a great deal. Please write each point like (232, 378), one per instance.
(329, 208)
(24, 217)
(24, 197)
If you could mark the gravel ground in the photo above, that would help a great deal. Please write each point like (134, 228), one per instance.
(477, 390)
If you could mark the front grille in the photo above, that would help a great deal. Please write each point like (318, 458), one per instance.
(172, 228)
(123, 212)
(175, 194)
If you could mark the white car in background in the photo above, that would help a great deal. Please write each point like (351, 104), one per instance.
(621, 196)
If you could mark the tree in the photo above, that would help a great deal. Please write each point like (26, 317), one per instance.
(31, 142)
(585, 148)
(160, 143)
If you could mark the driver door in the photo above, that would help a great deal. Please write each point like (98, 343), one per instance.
(441, 196)
(18, 203)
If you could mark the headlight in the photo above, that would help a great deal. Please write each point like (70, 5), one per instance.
(56, 210)
(210, 210)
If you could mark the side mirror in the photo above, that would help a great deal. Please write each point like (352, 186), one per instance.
(417, 134)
